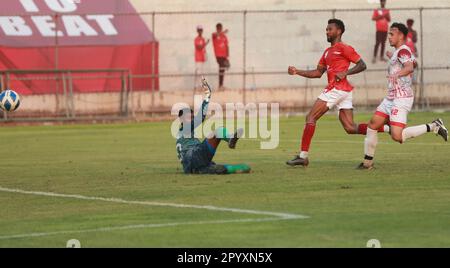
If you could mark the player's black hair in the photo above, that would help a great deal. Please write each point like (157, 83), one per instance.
(401, 27)
(219, 25)
(339, 24)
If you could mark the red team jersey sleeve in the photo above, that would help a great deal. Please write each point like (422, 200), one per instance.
(350, 53)
(322, 61)
(405, 56)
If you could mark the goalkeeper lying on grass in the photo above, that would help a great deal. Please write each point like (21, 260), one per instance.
(196, 156)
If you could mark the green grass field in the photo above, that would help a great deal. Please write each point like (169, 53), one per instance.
(405, 202)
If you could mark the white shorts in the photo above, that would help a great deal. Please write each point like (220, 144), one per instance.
(339, 98)
(395, 110)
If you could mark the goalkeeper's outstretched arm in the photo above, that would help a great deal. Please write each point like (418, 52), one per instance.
(201, 116)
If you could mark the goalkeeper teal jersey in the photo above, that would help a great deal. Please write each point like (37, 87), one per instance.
(185, 135)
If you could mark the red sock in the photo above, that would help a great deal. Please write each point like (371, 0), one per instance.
(381, 129)
(362, 129)
(308, 133)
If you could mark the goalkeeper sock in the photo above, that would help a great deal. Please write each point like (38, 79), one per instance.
(240, 168)
(222, 133)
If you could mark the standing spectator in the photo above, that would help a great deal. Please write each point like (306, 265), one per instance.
(411, 38)
(200, 53)
(382, 17)
(221, 51)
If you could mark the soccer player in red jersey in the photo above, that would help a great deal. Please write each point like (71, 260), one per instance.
(335, 61)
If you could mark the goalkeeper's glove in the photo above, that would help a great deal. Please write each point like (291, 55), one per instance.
(207, 89)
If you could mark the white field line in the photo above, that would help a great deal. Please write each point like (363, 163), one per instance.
(274, 215)
(137, 226)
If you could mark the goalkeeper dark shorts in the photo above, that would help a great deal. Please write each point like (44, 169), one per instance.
(198, 159)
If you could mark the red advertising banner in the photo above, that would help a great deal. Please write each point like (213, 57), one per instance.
(76, 34)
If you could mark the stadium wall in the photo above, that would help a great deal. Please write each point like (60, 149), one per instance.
(273, 39)
(140, 103)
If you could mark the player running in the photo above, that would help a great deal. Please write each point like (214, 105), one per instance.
(196, 156)
(399, 101)
(335, 61)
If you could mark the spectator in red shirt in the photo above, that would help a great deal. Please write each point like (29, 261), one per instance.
(200, 53)
(382, 17)
(221, 51)
(411, 38)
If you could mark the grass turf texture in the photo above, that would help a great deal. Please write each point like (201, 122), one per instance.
(405, 202)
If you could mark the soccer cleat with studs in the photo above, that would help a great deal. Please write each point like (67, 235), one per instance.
(236, 136)
(298, 161)
(362, 166)
(440, 129)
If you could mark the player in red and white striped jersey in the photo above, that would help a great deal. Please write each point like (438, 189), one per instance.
(399, 101)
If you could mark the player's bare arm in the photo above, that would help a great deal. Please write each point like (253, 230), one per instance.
(359, 67)
(317, 73)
